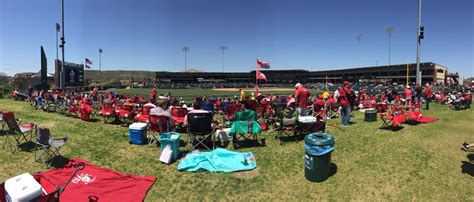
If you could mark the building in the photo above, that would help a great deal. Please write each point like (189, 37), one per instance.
(431, 72)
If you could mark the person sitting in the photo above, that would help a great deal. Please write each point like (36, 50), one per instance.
(197, 108)
(162, 110)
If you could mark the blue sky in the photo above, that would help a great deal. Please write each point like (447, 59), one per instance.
(312, 34)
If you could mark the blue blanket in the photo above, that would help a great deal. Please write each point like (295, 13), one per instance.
(218, 160)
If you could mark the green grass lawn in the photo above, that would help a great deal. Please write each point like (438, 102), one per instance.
(421, 162)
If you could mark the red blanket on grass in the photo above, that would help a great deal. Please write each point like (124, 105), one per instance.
(95, 183)
(427, 119)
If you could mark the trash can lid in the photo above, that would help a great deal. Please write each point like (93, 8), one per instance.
(370, 111)
(318, 139)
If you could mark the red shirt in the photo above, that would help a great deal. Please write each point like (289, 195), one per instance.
(319, 102)
(301, 95)
(343, 98)
(331, 101)
(428, 92)
(407, 93)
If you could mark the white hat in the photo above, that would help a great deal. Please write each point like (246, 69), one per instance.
(162, 97)
(298, 84)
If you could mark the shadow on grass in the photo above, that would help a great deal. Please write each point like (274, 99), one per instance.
(467, 167)
(332, 169)
(58, 161)
(27, 146)
(249, 143)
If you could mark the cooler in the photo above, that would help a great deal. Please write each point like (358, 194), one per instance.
(21, 188)
(137, 133)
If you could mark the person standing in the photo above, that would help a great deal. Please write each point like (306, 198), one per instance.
(407, 95)
(345, 102)
(242, 95)
(428, 95)
(301, 98)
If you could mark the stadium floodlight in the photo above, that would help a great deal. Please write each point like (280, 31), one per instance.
(223, 48)
(420, 36)
(63, 42)
(58, 29)
(358, 37)
(185, 49)
(389, 30)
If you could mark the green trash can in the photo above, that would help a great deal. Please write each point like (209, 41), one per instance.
(172, 139)
(317, 161)
(370, 115)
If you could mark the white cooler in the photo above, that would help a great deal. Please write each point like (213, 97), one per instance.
(21, 188)
(307, 119)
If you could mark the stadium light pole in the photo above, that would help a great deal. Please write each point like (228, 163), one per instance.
(58, 29)
(420, 36)
(185, 49)
(100, 67)
(389, 30)
(63, 73)
(358, 37)
(223, 48)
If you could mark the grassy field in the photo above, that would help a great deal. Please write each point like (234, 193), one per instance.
(421, 162)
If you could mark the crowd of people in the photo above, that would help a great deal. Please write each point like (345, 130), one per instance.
(343, 99)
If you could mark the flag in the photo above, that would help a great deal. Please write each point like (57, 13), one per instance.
(88, 62)
(263, 65)
(328, 82)
(58, 28)
(261, 76)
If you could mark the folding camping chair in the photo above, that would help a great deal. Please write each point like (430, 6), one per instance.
(333, 111)
(287, 124)
(179, 114)
(126, 112)
(394, 119)
(108, 112)
(229, 114)
(157, 125)
(20, 133)
(275, 114)
(245, 127)
(145, 113)
(49, 145)
(200, 130)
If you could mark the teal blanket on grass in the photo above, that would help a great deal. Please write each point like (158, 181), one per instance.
(218, 160)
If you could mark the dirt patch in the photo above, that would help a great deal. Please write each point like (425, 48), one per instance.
(247, 174)
(253, 89)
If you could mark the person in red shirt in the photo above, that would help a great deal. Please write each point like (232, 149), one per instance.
(318, 105)
(407, 95)
(428, 95)
(346, 103)
(153, 94)
(301, 98)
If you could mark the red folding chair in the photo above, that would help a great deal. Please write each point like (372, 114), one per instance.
(157, 125)
(394, 119)
(229, 114)
(178, 114)
(20, 133)
(145, 113)
(126, 112)
(108, 112)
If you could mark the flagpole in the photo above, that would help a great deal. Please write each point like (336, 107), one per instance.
(256, 79)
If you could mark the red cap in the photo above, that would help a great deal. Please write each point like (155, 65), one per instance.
(346, 83)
